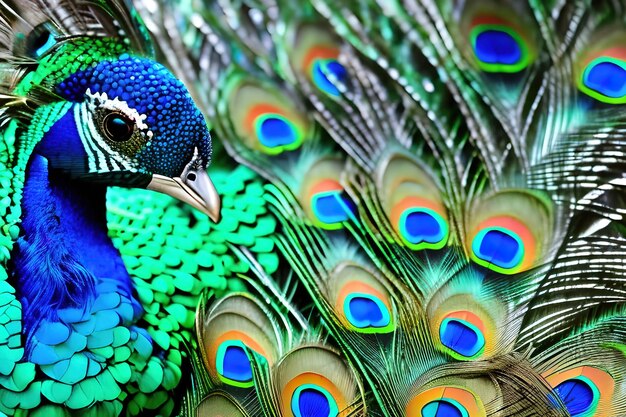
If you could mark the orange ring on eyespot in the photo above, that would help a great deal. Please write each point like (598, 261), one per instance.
(410, 202)
(517, 227)
(467, 316)
(603, 384)
(428, 211)
(479, 319)
(318, 52)
(602, 379)
(259, 110)
(357, 286)
(490, 20)
(315, 379)
(352, 287)
(325, 185)
(495, 20)
(230, 336)
(328, 189)
(237, 335)
(618, 52)
(472, 404)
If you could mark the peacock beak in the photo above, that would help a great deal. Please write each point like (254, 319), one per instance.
(193, 187)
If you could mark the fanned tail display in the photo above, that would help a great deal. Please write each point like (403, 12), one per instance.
(416, 208)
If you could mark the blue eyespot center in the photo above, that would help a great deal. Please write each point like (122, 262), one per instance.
(443, 408)
(310, 400)
(338, 70)
(461, 337)
(607, 78)
(313, 403)
(422, 225)
(497, 47)
(330, 66)
(365, 310)
(274, 131)
(576, 394)
(236, 364)
(500, 247)
(333, 207)
(233, 363)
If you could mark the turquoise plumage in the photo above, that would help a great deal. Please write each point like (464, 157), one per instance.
(421, 208)
(84, 108)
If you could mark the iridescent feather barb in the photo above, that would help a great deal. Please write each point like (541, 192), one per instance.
(430, 220)
(483, 175)
(84, 107)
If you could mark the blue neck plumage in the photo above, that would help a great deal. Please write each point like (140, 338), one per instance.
(65, 248)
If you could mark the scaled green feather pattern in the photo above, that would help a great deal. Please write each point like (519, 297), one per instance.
(273, 208)
(175, 253)
(85, 351)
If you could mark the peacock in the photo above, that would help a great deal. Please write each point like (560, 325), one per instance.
(362, 208)
(75, 334)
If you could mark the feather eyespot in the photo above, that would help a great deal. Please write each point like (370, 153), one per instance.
(323, 197)
(263, 117)
(413, 204)
(580, 395)
(331, 205)
(445, 401)
(233, 363)
(602, 75)
(500, 38)
(313, 400)
(360, 299)
(510, 231)
(117, 127)
(314, 381)
(501, 248)
(325, 72)
(583, 390)
(41, 40)
(315, 56)
(235, 333)
(421, 223)
(498, 45)
(274, 131)
(462, 334)
(365, 308)
(599, 71)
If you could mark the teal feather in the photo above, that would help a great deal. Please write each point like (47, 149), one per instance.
(420, 116)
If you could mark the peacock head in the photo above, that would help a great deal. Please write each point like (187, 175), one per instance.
(125, 120)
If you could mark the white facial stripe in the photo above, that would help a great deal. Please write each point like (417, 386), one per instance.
(81, 118)
(101, 157)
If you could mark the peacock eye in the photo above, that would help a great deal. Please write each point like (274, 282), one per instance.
(117, 127)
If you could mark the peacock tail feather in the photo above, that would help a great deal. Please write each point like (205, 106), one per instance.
(416, 208)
